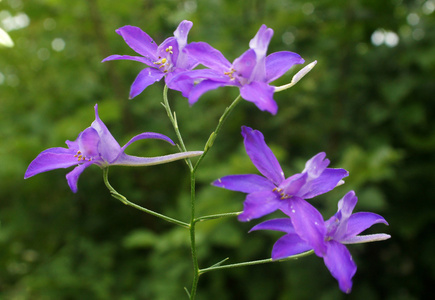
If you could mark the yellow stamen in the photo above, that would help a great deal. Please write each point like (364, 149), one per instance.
(169, 49)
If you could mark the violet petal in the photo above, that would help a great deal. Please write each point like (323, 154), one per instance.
(145, 78)
(289, 245)
(201, 88)
(147, 135)
(258, 204)
(326, 182)
(247, 183)
(278, 63)
(145, 60)
(341, 265)
(261, 94)
(308, 224)
(261, 155)
(208, 56)
(73, 176)
(139, 41)
(108, 147)
(361, 221)
(283, 224)
(50, 159)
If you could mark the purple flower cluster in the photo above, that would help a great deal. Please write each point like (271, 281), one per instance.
(304, 226)
(174, 59)
(252, 73)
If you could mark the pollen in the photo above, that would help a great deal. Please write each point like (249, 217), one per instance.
(81, 157)
(169, 50)
(230, 73)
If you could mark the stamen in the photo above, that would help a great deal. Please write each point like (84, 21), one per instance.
(230, 73)
(169, 49)
(81, 157)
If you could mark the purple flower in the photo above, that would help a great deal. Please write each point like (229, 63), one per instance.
(164, 60)
(342, 228)
(251, 72)
(274, 191)
(96, 145)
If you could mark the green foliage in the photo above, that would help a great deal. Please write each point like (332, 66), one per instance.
(369, 107)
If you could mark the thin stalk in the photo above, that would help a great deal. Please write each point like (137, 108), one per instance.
(254, 262)
(218, 216)
(214, 134)
(182, 147)
(124, 200)
(193, 236)
(173, 119)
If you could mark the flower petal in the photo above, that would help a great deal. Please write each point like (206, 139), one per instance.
(315, 166)
(145, 78)
(347, 204)
(201, 88)
(136, 161)
(147, 135)
(139, 41)
(308, 224)
(260, 42)
(258, 204)
(292, 185)
(169, 50)
(73, 176)
(145, 60)
(244, 65)
(359, 222)
(261, 155)
(247, 183)
(326, 182)
(50, 159)
(289, 245)
(280, 62)
(208, 56)
(108, 147)
(261, 94)
(341, 265)
(283, 224)
(259, 45)
(88, 142)
(181, 33)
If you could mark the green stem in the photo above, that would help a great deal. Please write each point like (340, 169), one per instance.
(182, 147)
(173, 119)
(193, 236)
(124, 200)
(255, 262)
(218, 216)
(214, 134)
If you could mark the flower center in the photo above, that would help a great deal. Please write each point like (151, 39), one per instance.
(81, 157)
(282, 194)
(165, 62)
(169, 50)
(230, 74)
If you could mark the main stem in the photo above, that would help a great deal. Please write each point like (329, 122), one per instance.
(192, 169)
(193, 236)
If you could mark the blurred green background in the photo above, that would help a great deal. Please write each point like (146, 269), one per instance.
(368, 104)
